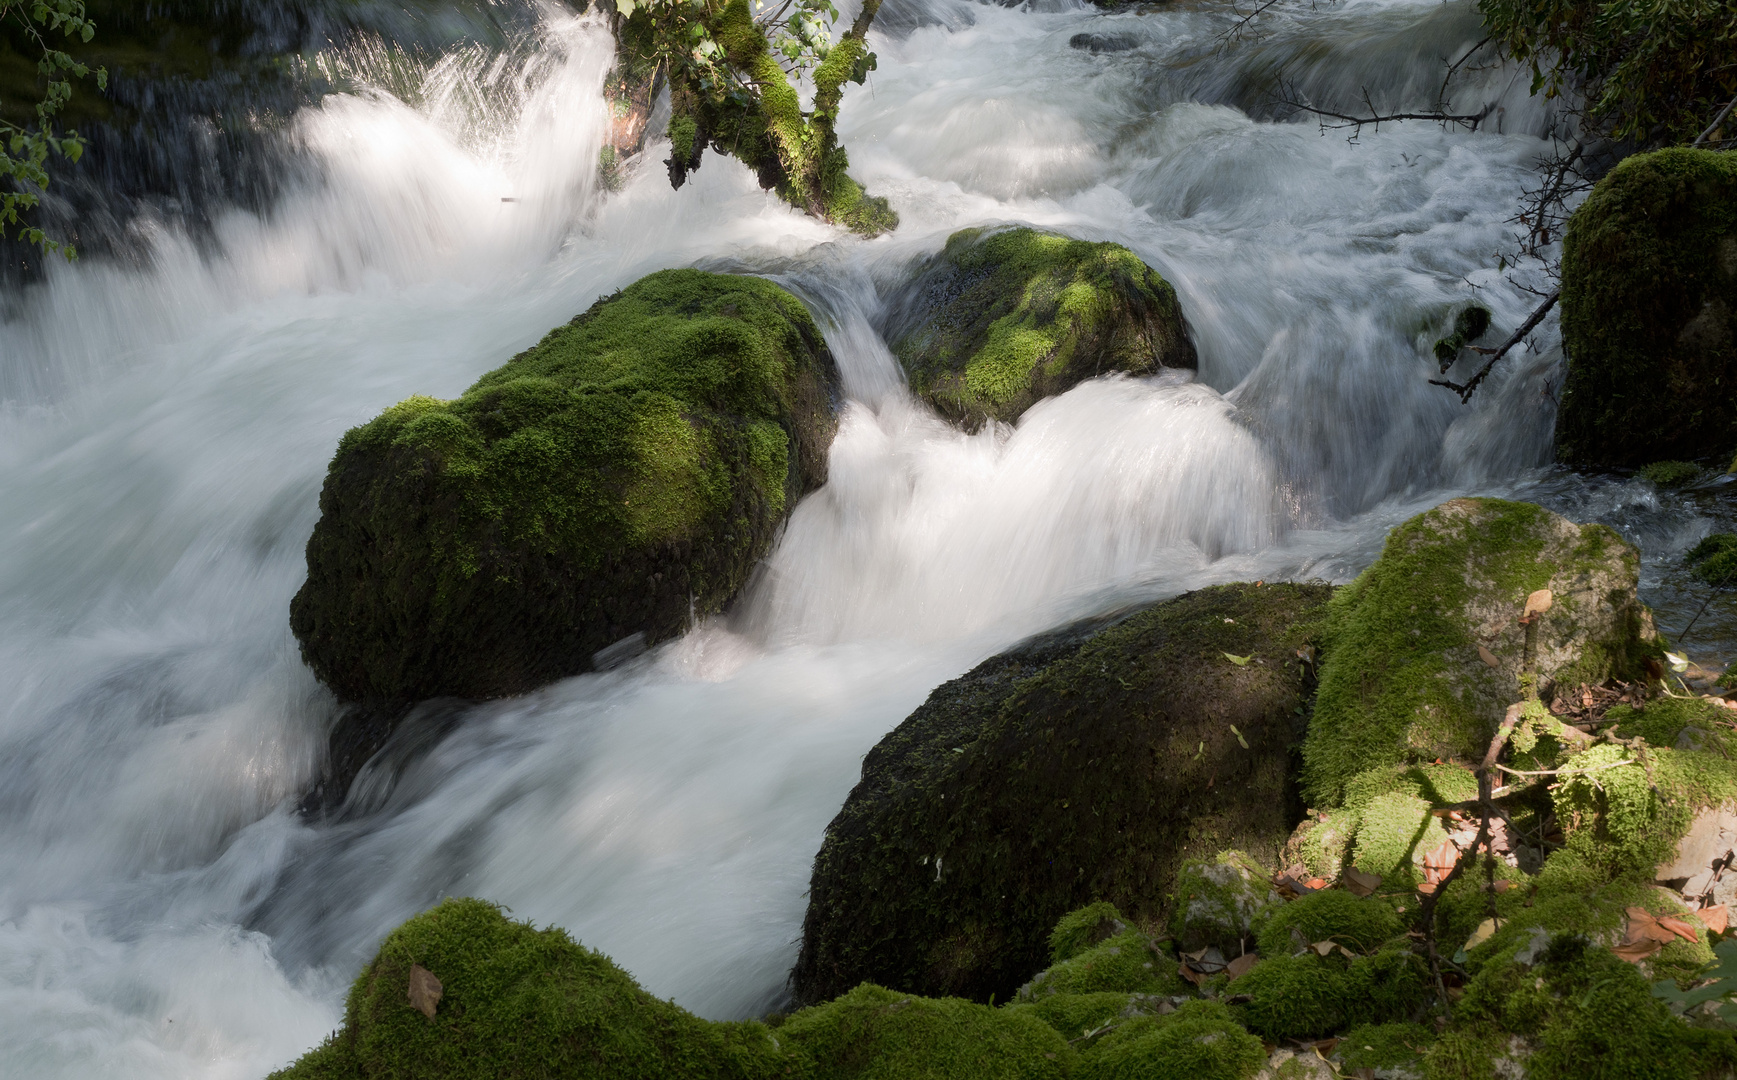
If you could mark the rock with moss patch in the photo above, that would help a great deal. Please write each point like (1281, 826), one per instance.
(1129, 963)
(1306, 996)
(1671, 474)
(1199, 1041)
(518, 1002)
(1714, 559)
(1000, 319)
(1361, 924)
(1649, 320)
(1222, 901)
(1061, 773)
(621, 476)
(1425, 650)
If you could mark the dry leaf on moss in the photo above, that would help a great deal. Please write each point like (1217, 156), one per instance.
(425, 990)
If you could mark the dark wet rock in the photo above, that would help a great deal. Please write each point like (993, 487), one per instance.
(1062, 772)
(1103, 43)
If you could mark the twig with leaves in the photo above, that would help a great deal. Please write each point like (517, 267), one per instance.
(25, 150)
(1470, 386)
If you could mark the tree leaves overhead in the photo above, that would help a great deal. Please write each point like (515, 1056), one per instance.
(24, 151)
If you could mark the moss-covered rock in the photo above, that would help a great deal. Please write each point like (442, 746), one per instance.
(1649, 313)
(873, 1033)
(1385, 1047)
(1129, 963)
(1222, 901)
(1714, 559)
(1671, 474)
(999, 320)
(517, 1002)
(1425, 650)
(1078, 1016)
(1360, 924)
(1058, 774)
(1199, 1041)
(622, 475)
(1295, 997)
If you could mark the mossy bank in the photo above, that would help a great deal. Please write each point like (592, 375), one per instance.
(1649, 313)
(619, 478)
(1059, 773)
(1001, 319)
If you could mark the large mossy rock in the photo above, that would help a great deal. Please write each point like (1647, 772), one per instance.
(1426, 649)
(621, 476)
(1056, 775)
(999, 320)
(1649, 313)
(517, 1002)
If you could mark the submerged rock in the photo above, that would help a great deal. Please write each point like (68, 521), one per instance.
(1425, 650)
(1649, 313)
(618, 478)
(1060, 773)
(1000, 319)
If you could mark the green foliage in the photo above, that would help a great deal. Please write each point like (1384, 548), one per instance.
(517, 1002)
(1651, 71)
(1359, 923)
(1090, 765)
(1000, 319)
(1670, 474)
(1720, 979)
(25, 149)
(627, 471)
(1649, 266)
(1715, 559)
(1199, 1041)
(1469, 325)
(873, 1033)
(733, 76)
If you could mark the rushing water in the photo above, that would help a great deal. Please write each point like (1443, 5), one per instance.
(164, 912)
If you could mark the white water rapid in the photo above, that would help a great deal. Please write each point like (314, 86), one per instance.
(165, 428)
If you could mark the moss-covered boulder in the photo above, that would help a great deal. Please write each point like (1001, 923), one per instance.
(1221, 901)
(619, 477)
(1058, 774)
(1649, 313)
(1306, 996)
(1001, 319)
(1199, 1041)
(512, 1002)
(1426, 649)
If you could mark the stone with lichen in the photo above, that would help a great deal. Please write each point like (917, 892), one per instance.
(1222, 901)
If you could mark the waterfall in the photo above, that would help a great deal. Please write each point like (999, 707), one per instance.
(167, 419)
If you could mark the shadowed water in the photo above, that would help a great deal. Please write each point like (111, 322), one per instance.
(165, 429)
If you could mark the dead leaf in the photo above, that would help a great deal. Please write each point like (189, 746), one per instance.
(1678, 927)
(1538, 603)
(1485, 931)
(424, 990)
(1322, 948)
(1715, 918)
(1360, 883)
(1642, 926)
(1193, 977)
(1501, 885)
(1439, 863)
(1488, 657)
(1239, 661)
(1636, 951)
(1427, 888)
(1239, 967)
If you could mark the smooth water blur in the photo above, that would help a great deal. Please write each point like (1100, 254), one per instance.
(165, 430)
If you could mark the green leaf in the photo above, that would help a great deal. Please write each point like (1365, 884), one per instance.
(1239, 661)
(624, 8)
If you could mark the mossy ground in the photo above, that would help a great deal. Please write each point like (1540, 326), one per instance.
(1649, 323)
(1405, 676)
(1672, 474)
(1092, 777)
(999, 320)
(625, 473)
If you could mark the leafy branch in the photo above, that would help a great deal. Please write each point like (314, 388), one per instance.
(25, 150)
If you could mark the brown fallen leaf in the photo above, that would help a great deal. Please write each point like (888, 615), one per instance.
(1322, 948)
(1239, 967)
(1636, 951)
(1538, 603)
(1678, 927)
(1316, 883)
(1439, 863)
(1427, 888)
(425, 990)
(1715, 917)
(1194, 978)
(1488, 657)
(1501, 885)
(1361, 883)
(1642, 925)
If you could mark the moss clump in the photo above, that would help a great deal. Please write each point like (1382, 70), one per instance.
(1294, 997)
(1649, 272)
(1085, 770)
(1714, 559)
(1199, 1041)
(1683, 723)
(1385, 1046)
(1671, 474)
(1469, 325)
(1084, 928)
(623, 474)
(1404, 675)
(873, 1033)
(1076, 1016)
(521, 1002)
(1128, 963)
(1359, 924)
(1221, 901)
(999, 320)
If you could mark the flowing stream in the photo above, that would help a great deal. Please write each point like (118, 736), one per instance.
(165, 425)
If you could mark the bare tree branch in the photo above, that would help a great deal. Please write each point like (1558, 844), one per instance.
(1714, 126)
(1466, 389)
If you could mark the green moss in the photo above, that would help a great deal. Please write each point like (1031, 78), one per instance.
(1466, 1053)
(1696, 723)
(1308, 996)
(1323, 843)
(1222, 901)
(1385, 1046)
(1075, 1016)
(1623, 825)
(873, 1033)
(1649, 269)
(1469, 325)
(623, 474)
(1402, 678)
(521, 1002)
(1715, 559)
(1670, 474)
(1083, 928)
(1090, 766)
(1359, 924)
(1126, 963)
(1001, 319)
(1199, 1041)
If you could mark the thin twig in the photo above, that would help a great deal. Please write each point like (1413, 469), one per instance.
(1441, 95)
(1717, 120)
(1465, 389)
